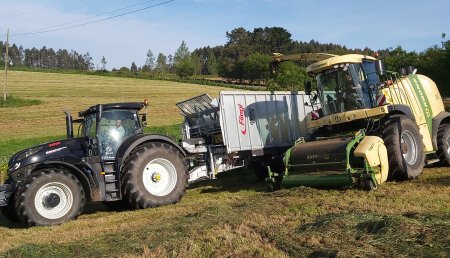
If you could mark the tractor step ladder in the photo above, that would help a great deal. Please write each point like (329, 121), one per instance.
(112, 182)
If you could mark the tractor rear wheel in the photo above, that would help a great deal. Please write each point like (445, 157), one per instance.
(405, 148)
(49, 197)
(156, 175)
(443, 142)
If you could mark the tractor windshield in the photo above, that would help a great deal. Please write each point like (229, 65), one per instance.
(115, 126)
(343, 88)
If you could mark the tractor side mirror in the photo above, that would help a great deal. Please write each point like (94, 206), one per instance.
(144, 120)
(308, 87)
(380, 68)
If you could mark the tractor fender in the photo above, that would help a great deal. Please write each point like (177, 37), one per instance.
(84, 180)
(134, 141)
(443, 117)
(401, 110)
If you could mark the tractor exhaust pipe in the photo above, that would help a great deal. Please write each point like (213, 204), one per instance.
(68, 124)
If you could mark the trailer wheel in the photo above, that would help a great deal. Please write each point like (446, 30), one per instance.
(405, 148)
(260, 167)
(49, 197)
(443, 141)
(156, 175)
(260, 170)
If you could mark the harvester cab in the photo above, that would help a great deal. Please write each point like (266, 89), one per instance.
(370, 124)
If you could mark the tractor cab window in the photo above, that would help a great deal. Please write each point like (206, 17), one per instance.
(342, 89)
(115, 126)
(90, 126)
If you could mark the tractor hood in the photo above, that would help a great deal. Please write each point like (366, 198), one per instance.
(63, 150)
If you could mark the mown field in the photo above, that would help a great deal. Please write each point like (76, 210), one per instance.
(234, 216)
(75, 93)
(231, 216)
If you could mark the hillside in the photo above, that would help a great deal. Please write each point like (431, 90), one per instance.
(78, 92)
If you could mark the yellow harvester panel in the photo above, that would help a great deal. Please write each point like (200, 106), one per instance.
(372, 149)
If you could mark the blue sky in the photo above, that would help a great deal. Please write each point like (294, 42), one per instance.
(415, 25)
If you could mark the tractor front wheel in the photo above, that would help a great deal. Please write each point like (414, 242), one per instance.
(443, 141)
(9, 211)
(156, 175)
(405, 148)
(49, 197)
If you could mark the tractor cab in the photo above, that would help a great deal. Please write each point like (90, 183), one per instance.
(108, 126)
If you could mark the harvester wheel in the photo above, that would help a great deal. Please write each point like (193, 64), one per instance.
(156, 175)
(405, 148)
(443, 141)
(270, 187)
(49, 197)
(273, 186)
(369, 185)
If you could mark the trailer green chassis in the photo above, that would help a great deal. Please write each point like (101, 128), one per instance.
(348, 177)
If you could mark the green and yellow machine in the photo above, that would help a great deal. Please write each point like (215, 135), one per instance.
(369, 125)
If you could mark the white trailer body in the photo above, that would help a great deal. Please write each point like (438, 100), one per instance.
(258, 120)
(237, 127)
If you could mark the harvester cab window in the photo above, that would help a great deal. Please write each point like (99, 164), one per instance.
(372, 78)
(340, 90)
(360, 85)
(115, 126)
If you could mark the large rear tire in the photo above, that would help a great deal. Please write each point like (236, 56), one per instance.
(405, 148)
(443, 142)
(155, 175)
(49, 197)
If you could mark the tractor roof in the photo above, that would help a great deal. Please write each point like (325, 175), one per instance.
(330, 62)
(126, 105)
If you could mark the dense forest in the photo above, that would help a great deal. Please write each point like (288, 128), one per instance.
(244, 58)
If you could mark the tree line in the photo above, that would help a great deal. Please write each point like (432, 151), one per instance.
(245, 57)
(46, 58)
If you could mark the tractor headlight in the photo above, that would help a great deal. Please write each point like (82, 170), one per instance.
(16, 166)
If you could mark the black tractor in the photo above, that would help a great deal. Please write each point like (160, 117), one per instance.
(111, 160)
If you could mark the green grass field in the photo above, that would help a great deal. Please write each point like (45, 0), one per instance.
(231, 216)
(75, 93)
